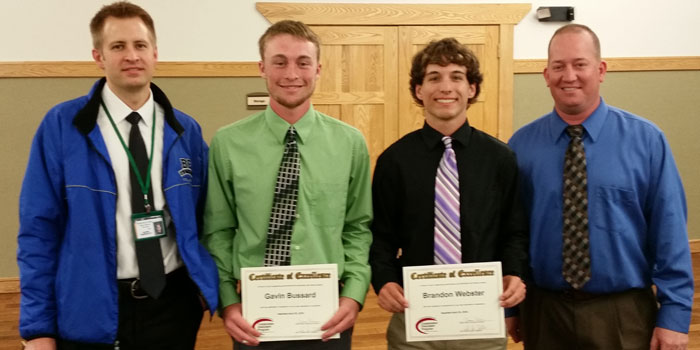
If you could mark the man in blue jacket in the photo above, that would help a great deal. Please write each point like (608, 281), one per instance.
(108, 253)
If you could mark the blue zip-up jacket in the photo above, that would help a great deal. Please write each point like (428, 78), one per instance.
(67, 237)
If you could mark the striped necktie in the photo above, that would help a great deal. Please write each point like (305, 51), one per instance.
(448, 246)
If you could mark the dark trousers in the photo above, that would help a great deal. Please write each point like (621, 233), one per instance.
(170, 322)
(343, 343)
(580, 321)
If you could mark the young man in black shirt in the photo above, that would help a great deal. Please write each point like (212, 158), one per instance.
(489, 220)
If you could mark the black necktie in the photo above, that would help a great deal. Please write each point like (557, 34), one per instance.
(576, 266)
(148, 254)
(284, 205)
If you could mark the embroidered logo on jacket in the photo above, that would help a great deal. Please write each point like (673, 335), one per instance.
(185, 169)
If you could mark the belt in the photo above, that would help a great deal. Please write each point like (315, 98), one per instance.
(572, 295)
(566, 294)
(578, 295)
(132, 286)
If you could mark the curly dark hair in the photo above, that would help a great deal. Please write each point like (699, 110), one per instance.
(444, 52)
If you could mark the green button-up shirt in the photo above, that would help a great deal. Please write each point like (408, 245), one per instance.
(334, 207)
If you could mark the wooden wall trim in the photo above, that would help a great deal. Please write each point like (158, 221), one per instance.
(624, 64)
(394, 14)
(694, 246)
(87, 69)
(11, 284)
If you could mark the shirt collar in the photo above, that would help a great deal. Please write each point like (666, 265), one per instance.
(119, 110)
(279, 126)
(433, 138)
(593, 125)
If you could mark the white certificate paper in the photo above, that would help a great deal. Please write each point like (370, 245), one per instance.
(289, 302)
(459, 301)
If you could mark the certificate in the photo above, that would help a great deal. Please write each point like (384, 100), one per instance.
(459, 301)
(289, 302)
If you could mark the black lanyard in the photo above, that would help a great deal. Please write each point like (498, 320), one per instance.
(144, 185)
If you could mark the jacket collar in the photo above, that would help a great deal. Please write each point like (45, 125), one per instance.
(86, 119)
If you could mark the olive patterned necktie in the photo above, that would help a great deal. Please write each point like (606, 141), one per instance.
(576, 266)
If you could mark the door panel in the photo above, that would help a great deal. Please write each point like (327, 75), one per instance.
(365, 78)
(483, 41)
(358, 81)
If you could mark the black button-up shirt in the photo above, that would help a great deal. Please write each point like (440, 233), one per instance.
(492, 219)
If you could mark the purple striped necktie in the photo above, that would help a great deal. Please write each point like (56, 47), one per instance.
(448, 246)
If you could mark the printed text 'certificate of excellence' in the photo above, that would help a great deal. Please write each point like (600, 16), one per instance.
(459, 301)
(289, 302)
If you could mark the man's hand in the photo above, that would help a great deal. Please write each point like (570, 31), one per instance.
(237, 327)
(343, 319)
(391, 298)
(513, 291)
(513, 327)
(666, 339)
(41, 344)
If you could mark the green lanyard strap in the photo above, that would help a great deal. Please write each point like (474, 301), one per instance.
(144, 185)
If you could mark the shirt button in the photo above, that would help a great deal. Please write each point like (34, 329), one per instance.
(296, 247)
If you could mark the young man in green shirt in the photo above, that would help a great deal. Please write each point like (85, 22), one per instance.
(333, 207)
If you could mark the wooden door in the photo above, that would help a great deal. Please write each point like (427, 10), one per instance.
(486, 28)
(483, 41)
(358, 82)
(365, 78)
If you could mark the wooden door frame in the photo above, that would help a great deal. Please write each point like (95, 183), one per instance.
(394, 14)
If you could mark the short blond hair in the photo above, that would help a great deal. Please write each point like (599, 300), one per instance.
(294, 28)
(120, 9)
(577, 28)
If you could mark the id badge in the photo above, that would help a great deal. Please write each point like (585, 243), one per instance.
(148, 225)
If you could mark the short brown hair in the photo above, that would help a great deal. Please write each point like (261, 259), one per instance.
(120, 9)
(443, 52)
(577, 28)
(294, 28)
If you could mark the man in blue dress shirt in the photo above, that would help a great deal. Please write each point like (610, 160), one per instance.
(636, 217)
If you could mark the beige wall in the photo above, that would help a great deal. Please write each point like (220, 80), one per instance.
(667, 98)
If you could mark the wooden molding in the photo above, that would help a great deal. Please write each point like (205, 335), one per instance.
(694, 246)
(506, 90)
(529, 66)
(207, 69)
(88, 69)
(9, 285)
(394, 14)
(624, 64)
